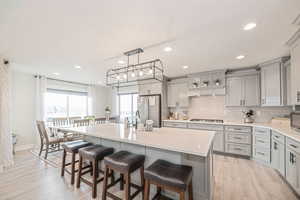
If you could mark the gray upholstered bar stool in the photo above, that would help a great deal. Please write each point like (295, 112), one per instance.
(72, 148)
(125, 163)
(94, 154)
(166, 175)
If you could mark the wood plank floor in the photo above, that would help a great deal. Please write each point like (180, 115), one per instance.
(235, 179)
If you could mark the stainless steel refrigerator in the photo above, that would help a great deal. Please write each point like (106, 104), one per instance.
(149, 107)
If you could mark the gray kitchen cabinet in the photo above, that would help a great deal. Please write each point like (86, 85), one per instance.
(292, 170)
(174, 124)
(219, 136)
(234, 91)
(251, 91)
(278, 153)
(219, 141)
(177, 94)
(238, 140)
(273, 84)
(262, 145)
(242, 91)
(295, 71)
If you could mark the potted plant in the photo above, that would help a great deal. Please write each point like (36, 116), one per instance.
(248, 116)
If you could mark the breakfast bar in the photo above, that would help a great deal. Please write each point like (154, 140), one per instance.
(179, 146)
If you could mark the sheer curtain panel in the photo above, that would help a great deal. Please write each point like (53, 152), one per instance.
(6, 148)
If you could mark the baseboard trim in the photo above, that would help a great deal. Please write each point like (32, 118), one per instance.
(24, 147)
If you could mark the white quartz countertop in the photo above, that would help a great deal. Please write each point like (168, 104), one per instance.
(196, 142)
(284, 129)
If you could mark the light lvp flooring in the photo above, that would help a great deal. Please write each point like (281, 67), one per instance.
(235, 179)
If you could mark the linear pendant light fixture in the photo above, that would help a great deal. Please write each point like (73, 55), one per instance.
(135, 74)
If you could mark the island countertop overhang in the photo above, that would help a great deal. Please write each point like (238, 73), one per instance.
(195, 142)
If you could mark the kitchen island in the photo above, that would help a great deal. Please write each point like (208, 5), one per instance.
(181, 146)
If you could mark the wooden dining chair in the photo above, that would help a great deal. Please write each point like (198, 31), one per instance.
(52, 144)
(100, 120)
(81, 122)
(60, 121)
(72, 119)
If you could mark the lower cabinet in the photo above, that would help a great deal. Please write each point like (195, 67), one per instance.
(292, 169)
(278, 152)
(262, 145)
(238, 140)
(292, 161)
(219, 141)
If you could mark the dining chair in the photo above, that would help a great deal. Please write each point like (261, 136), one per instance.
(50, 143)
(60, 121)
(72, 119)
(81, 122)
(99, 120)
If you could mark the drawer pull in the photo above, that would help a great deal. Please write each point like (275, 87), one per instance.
(276, 136)
(260, 131)
(294, 146)
(260, 153)
(239, 138)
(261, 141)
(238, 149)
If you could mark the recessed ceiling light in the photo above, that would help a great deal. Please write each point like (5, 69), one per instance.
(56, 73)
(185, 67)
(168, 49)
(240, 57)
(121, 62)
(77, 67)
(249, 26)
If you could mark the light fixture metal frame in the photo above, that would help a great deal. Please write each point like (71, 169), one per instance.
(155, 65)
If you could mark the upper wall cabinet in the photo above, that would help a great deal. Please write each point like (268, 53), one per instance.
(295, 71)
(177, 93)
(207, 83)
(273, 84)
(242, 90)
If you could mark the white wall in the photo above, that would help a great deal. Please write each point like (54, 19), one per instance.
(23, 109)
(104, 97)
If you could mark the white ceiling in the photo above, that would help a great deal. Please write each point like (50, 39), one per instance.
(43, 37)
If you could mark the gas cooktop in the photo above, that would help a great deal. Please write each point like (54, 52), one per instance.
(208, 120)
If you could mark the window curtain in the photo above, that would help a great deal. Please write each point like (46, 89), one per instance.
(40, 104)
(41, 90)
(91, 100)
(6, 147)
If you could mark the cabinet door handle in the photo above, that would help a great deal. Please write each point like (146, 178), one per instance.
(261, 141)
(275, 145)
(260, 153)
(294, 146)
(244, 102)
(276, 136)
(241, 103)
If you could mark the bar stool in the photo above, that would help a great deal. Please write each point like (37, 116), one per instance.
(71, 147)
(94, 154)
(125, 163)
(166, 175)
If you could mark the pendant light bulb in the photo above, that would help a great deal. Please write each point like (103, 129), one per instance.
(151, 71)
(125, 76)
(132, 74)
(118, 77)
(141, 73)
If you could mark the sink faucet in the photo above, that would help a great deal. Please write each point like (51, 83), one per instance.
(137, 117)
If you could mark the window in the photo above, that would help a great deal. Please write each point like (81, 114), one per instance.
(60, 103)
(128, 106)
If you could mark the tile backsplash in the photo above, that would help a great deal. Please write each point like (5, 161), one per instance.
(214, 107)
